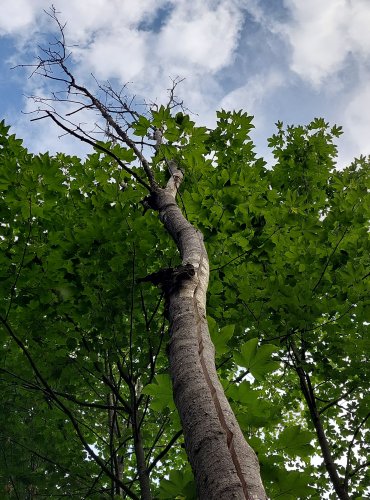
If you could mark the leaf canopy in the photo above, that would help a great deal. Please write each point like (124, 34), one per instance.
(289, 292)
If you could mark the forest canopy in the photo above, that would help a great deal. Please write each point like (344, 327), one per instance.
(84, 368)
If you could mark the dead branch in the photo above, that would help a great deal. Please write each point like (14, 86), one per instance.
(53, 65)
(95, 145)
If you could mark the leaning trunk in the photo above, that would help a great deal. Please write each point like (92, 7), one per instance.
(224, 465)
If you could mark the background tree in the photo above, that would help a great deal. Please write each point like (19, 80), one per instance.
(85, 369)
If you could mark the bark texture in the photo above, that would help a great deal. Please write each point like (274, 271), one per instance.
(307, 390)
(224, 465)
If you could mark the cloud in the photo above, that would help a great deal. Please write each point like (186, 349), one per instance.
(200, 38)
(358, 28)
(19, 15)
(278, 60)
(83, 17)
(250, 95)
(120, 54)
(356, 120)
(323, 35)
(98, 19)
(193, 39)
(146, 43)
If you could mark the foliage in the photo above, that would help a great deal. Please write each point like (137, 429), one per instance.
(289, 252)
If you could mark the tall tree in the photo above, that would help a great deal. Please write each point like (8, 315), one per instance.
(88, 400)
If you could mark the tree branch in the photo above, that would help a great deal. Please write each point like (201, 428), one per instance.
(347, 474)
(97, 146)
(64, 408)
(335, 401)
(309, 396)
(329, 259)
(165, 450)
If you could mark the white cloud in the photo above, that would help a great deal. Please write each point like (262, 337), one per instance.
(358, 27)
(83, 17)
(200, 37)
(323, 34)
(121, 54)
(197, 39)
(18, 15)
(145, 42)
(232, 53)
(93, 19)
(250, 95)
(356, 120)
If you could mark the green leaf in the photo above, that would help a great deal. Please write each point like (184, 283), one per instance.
(180, 485)
(71, 343)
(161, 392)
(141, 126)
(289, 250)
(295, 441)
(257, 359)
(220, 337)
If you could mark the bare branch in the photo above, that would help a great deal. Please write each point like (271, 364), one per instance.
(64, 408)
(173, 102)
(165, 450)
(329, 259)
(97, 146)
(335, 401)
(53, 64)
(348, 473)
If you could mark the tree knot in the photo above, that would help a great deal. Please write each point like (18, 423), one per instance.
(170, 279)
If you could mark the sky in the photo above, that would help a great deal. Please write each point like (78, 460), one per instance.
(287, 60)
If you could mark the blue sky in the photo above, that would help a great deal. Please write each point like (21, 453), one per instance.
(289, 60)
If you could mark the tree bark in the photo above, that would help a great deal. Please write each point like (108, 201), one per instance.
(331, 467)
(141, 466)
(224, 465)
(116, 459)
(142, 469)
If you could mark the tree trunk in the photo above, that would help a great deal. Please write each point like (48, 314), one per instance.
(224, 465)
(141, 467)
(331, 466)
(116, 459)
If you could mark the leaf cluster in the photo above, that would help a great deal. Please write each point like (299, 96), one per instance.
(288, 298)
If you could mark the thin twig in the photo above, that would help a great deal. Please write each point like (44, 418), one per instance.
(97, 146)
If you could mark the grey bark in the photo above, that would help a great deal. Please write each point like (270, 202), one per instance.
(224, 465)
(116, 460)
(331, 466)
(142, 469)
(141, 466)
